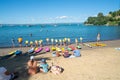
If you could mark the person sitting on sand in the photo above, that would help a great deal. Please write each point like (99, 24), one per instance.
(6, 75)
(32, 66)
(20, 41)
(56, 69)
(66, 54)
(56, 53)
(76, 53)
(43, 66)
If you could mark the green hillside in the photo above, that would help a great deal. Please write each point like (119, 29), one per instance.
(112, 19)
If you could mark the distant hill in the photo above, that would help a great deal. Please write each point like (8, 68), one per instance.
(112, 19)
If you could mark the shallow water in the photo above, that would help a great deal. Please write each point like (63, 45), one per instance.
(57, 31)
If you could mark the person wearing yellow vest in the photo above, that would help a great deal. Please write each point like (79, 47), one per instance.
(20, 41)
(31, 43)
(26, 43)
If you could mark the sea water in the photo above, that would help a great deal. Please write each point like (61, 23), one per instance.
(56, 31)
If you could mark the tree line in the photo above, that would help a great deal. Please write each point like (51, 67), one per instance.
(113, 18)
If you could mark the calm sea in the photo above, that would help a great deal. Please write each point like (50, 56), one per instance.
(56, 31)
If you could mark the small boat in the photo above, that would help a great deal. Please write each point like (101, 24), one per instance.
(39, 50)
(58, 49)
(88, 45)
(11, 53)
(98, 44)
(18, 52)
(53, 48)
(63, 49)
(71, 48)
(79, 47)
(31, 50)
(47, 49)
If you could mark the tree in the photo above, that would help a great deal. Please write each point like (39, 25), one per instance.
(110, 12)
(100, 15)
(114, 19)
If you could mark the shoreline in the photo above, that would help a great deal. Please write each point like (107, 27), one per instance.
(62, 45)
(110, 43)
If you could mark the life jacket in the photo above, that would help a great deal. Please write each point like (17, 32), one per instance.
(19, 40)
(26, 42)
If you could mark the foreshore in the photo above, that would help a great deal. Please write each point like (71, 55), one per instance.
(96, 63)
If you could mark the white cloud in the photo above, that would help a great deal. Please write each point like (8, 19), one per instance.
(61, 17)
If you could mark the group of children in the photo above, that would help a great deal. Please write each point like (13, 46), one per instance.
(36, 43)
(43, 67)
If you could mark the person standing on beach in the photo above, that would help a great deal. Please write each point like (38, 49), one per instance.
(26, 43)
(20, 41)
(98, 37)
(13, 42)
(81, 40)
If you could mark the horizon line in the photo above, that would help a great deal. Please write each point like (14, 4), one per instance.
(38, 23)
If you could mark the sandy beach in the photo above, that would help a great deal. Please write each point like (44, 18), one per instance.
(96, 63)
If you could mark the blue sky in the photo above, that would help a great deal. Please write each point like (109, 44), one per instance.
(53, 11)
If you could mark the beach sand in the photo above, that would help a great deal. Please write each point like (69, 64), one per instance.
(97, 63)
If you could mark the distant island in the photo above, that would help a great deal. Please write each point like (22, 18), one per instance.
(112, 19)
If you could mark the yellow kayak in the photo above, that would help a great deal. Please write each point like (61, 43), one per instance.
(12, 52)
(36, 49)
(58, 49)
(53, 48)
(98, 44)
(63, 49)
